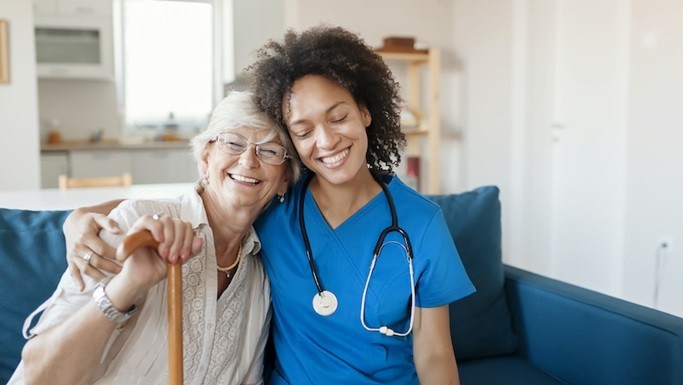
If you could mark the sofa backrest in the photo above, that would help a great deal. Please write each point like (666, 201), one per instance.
(584, 337)
(32, 256)
(480, 323)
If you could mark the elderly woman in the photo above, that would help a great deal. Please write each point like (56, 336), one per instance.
(114, 331)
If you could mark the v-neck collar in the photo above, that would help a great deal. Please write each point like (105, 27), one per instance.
(311, 204)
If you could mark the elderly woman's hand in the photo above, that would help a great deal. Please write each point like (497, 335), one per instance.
(177, 239)
(178, 242)
(86, 252)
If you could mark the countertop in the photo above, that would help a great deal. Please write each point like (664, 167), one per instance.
(113, 145)
(56, 199)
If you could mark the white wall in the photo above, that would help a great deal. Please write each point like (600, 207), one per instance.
(483, 43)
(654, 206)
(81, 107)
(255, 22)
(19, 146)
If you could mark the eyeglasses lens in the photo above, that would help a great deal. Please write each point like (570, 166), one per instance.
(235, 144)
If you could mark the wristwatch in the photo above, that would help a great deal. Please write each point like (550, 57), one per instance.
(104, 303)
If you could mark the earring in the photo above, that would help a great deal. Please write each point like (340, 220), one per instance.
(281, 197)
(205, 181)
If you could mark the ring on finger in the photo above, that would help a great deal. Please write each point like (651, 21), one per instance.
(87, 257)
(157, 216)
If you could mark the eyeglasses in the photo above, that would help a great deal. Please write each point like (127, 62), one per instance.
(236, 144)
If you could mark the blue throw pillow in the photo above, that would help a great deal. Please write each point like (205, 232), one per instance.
(481, 325)
(32, 256)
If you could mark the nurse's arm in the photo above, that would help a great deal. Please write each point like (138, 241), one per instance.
(432, 347)
(81, 230)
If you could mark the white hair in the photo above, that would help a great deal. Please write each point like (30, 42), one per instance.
(238, 110)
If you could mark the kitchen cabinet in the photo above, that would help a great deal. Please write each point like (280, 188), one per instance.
(73, 39)
(73, 8)
(163, 166)
(147, 164)
(427, 128)
(52, 165)
(97, 163)
(44, 7)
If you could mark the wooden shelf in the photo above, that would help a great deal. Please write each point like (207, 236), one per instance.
(415, 131)
(416, 57)
(429, 128)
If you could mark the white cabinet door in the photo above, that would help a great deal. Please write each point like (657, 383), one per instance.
(163, 166)
(45, 7)
(71, 8)
(53, 165)
(146, 165)
(99, 163)
(93, 8)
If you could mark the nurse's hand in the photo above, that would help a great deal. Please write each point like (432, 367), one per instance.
(86, 253)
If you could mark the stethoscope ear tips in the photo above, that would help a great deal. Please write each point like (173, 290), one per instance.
(386, 331)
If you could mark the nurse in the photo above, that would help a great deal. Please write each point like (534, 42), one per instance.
(340, 105)
(336, 320)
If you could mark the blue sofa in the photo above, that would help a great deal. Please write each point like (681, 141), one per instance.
(518, 328)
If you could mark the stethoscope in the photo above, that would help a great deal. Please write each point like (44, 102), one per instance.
(325, 302)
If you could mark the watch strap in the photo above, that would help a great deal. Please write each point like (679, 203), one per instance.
(104, 304)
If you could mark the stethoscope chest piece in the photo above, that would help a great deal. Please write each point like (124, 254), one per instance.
(325, 304)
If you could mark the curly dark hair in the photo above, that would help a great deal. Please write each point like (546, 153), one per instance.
(344, 58)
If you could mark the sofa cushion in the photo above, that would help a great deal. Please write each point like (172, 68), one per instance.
(480, 323)
(508, 370)
(26, 281)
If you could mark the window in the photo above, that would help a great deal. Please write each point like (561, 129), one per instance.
(165, 63)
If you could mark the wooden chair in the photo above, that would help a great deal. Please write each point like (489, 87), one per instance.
(66, 183)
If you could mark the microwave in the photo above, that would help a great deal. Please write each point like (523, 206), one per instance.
(74, 48)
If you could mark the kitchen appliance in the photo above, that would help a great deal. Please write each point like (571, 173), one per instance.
(73, 47)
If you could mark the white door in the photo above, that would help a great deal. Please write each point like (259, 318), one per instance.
(577, 131)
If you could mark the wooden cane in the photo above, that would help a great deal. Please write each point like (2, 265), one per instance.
(143, 238)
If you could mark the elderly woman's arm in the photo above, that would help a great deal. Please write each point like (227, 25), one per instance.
(71, 351)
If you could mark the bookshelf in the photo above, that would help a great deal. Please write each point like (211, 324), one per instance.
(428, 116)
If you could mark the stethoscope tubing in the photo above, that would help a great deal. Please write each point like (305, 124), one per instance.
(384, 329)
(394, 227)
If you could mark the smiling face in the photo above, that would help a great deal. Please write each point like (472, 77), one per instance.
(328, 127)
(243, 181)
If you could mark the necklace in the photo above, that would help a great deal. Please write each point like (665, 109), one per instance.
(227, 269)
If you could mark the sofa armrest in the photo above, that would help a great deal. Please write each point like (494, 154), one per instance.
(584, 337)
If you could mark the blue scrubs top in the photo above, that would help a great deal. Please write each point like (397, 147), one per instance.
(336, 349)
